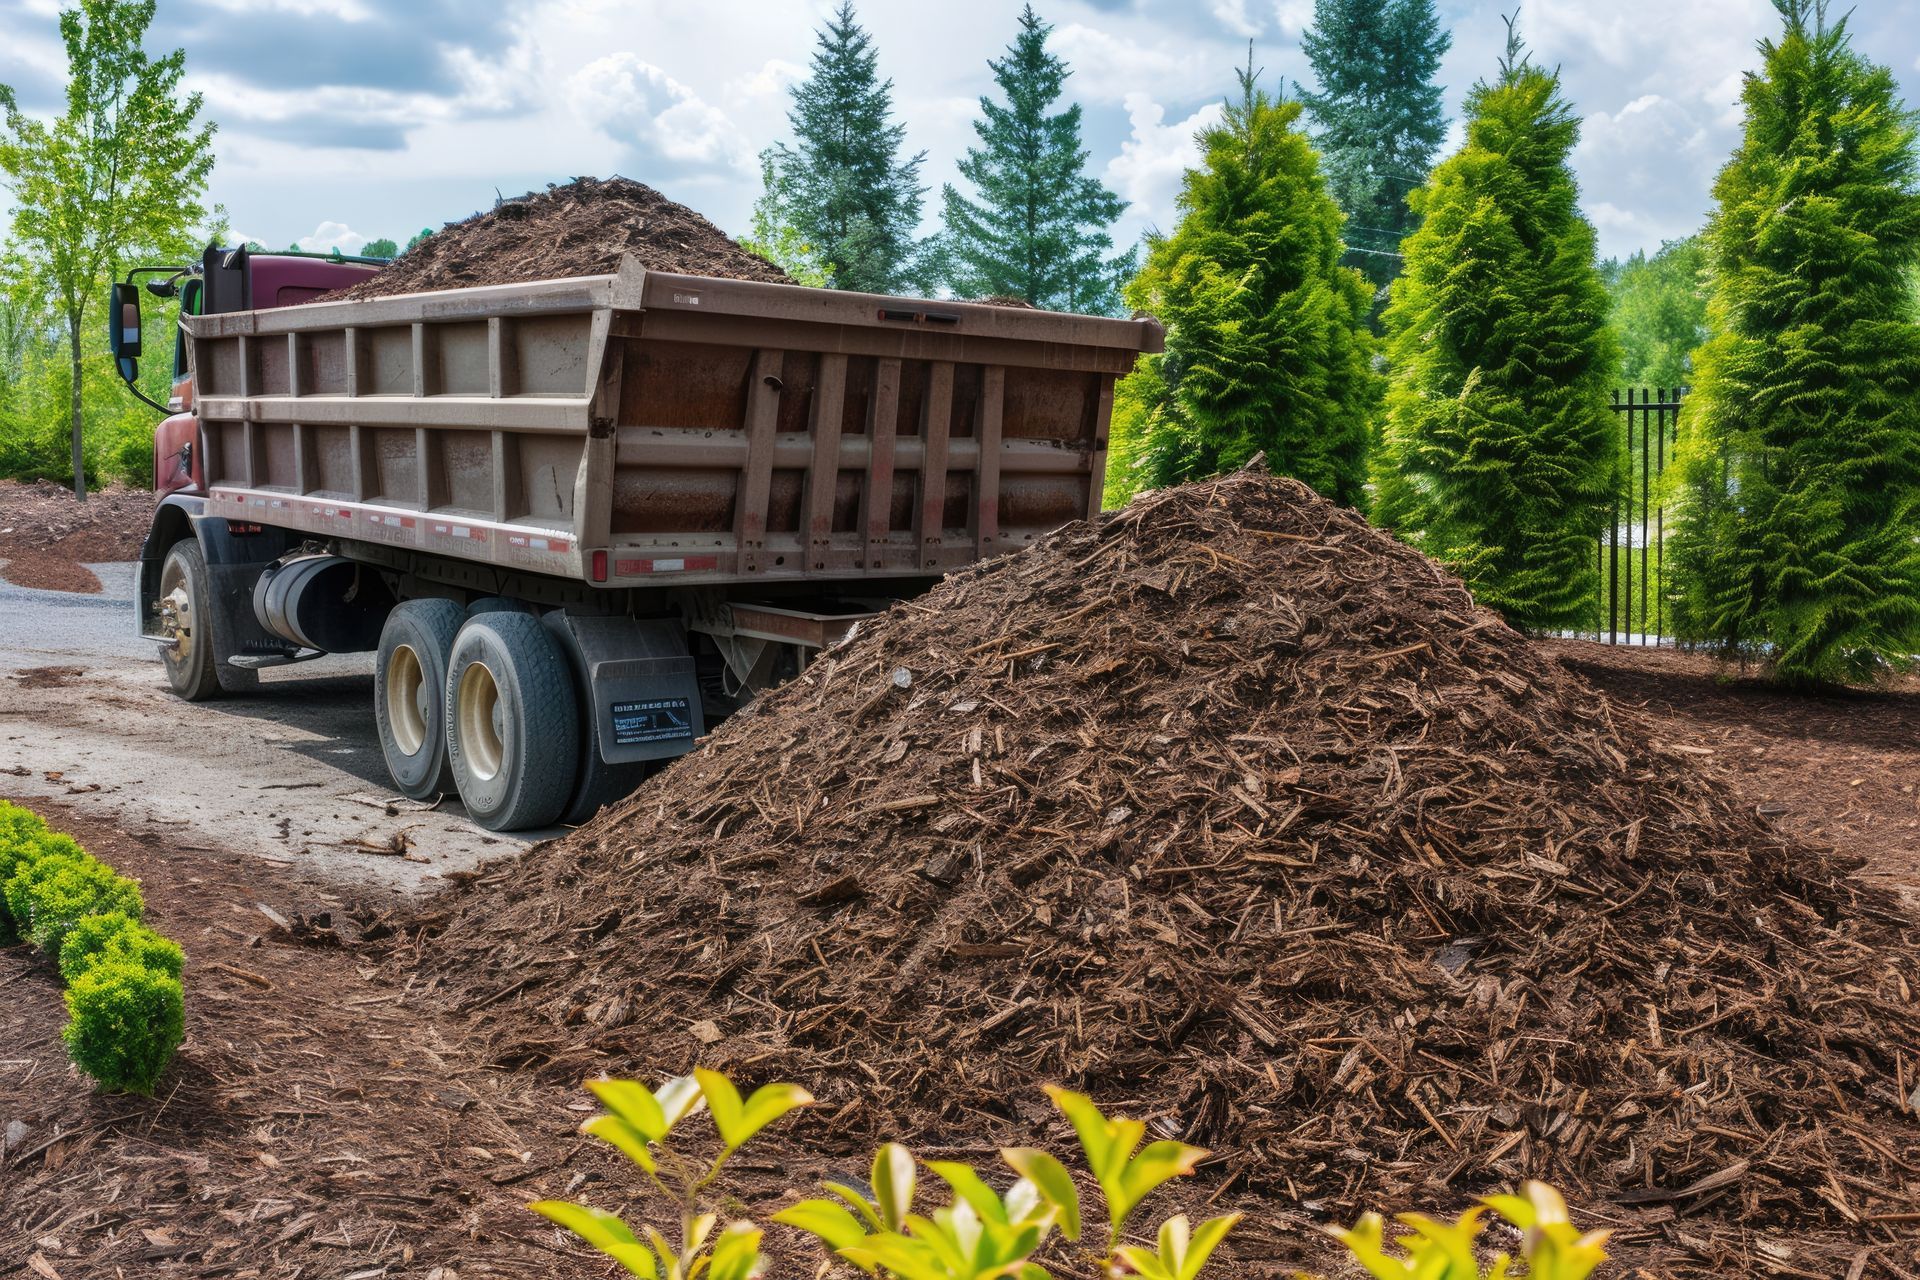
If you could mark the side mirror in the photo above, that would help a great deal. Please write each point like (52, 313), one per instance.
(123, 329)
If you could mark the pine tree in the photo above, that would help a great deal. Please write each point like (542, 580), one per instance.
(1499, 458)
(1799, 455)
(1379, 116)
(842, 186)
(1268, 348)
(1040, 228)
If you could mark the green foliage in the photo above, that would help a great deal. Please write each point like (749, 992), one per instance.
(419, 236)
(126, 1021)
(116, 936)
(637, 1122)
(120, 174)
(1268, 349)
(1500, 457)
(983, 1234)
(1039, 229)
(1798, 466)
(1379, 116)
(775, 237)
(1553, 1248)
(21, 831)
(841, 190)
(381, 248)
(62, 885)
(1659, 312)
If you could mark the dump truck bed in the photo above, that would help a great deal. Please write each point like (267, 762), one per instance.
(652, 429)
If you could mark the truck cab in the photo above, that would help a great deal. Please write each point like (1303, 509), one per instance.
(227, 556)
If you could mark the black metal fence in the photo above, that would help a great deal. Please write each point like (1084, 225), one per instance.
(1632, 548)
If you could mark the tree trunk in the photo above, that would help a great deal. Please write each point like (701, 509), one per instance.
(79, 462)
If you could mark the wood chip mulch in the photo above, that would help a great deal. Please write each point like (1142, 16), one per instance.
(581, 228)
(48, 539)
(1240, 815)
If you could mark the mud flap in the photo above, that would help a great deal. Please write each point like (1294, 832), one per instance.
(644, 699)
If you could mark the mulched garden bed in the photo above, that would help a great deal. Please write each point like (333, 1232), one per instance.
(47, 539)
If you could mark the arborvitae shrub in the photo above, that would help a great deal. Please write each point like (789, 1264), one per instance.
(126, 1021)
(116, 936)
(63, 886)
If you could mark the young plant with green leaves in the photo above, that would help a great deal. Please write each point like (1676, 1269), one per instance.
(1551, 1246)
(984, 1234)
(638, 1122)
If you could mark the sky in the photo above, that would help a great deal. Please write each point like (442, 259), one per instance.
(342, 121)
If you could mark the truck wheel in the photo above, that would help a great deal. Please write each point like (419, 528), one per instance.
(596, 783)
(409, 694)
(512, 728)
(192, 669)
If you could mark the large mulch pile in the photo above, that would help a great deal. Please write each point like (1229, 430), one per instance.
(47, 539)
(1242, 816)
(580, 229)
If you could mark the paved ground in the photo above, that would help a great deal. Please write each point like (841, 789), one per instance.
(292, 775)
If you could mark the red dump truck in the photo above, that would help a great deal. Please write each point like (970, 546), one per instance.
(582, 520)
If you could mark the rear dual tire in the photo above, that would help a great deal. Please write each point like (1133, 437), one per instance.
(512, 722)
(409, 694)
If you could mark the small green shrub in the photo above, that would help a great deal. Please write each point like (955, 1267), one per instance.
(117, 936)
(45, 857)
(21, 832)
(126, 1021)
(1552, 1247)
(61, 887)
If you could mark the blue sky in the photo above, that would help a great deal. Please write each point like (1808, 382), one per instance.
(344, 120)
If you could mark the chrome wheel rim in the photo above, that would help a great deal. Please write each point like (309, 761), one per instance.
(176, 605)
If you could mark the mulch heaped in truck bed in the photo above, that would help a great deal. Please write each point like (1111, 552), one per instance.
(1242, 816)
(582, 228)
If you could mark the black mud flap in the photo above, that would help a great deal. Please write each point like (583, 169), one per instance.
(641, 687)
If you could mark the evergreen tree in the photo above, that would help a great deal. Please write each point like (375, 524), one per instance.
(1379, 116)
(1659, 312)
(120, 173)
(1040, 228)
(1499, 457)
(841, 186)
(1267, 341)
(1799, 455)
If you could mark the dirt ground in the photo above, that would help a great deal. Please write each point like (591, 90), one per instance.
(47, 539)
(1842, 769)
(329, 1117)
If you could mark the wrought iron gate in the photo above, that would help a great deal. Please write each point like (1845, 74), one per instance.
(1632, 597)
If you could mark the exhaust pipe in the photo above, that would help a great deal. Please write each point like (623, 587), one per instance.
(327, 603)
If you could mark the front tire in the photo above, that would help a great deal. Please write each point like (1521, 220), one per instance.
(409, 694)
(512, 727)
(193, 670)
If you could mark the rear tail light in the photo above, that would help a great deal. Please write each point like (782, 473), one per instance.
(599, 566)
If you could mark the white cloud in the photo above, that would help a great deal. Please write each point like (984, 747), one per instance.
(1148, 170)
(1232, 14)
(636, 103)
(1294, 16)
(775, 77)
(1108, 68)
(329, 236)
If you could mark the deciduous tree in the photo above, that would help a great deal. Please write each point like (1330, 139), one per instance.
(1659, 312)
(1799, 455)
(120, 173)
